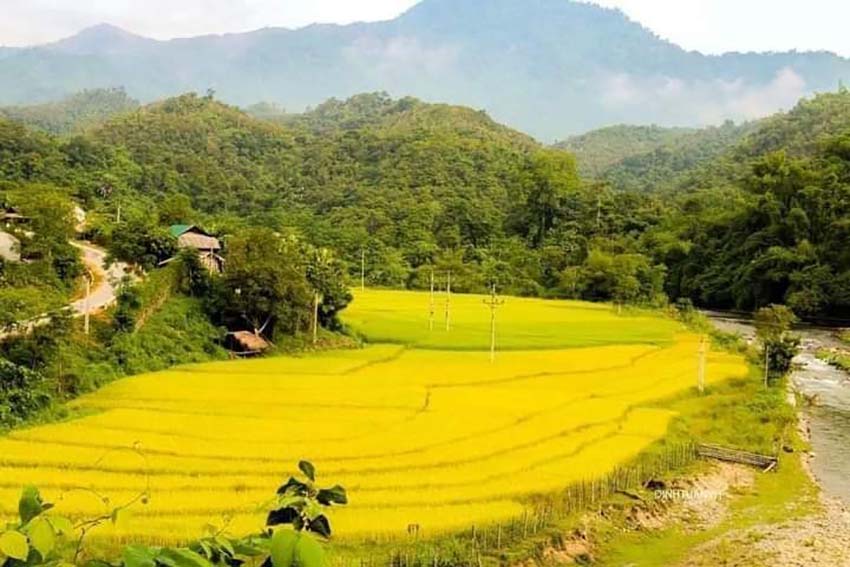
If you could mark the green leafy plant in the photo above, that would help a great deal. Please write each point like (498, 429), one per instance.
(37, 538)
(301, 512)
(292, 536)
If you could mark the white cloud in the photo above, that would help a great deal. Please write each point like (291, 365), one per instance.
(718, 26)
(401, 55)
(701, 102)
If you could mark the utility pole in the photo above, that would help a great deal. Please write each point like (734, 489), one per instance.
(118, 216)
(87, 304)
(449, 302)
(317, 298)
(766, 365)
(431, 307)
(703, 347)
(362, 269)
(493, 302)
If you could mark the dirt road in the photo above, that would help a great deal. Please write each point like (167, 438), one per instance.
(102, 296)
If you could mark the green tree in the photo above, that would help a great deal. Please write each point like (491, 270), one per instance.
(264, 287)
(326, 275)
(779, 347)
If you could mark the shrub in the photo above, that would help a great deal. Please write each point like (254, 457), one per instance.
(23, 392)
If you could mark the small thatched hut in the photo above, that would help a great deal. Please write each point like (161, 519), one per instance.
(246, 343)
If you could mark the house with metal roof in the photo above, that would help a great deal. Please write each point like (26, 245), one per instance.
(194, 238)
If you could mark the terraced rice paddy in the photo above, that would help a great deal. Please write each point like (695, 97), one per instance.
(435, 436)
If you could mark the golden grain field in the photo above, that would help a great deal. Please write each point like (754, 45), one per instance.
(438, 438)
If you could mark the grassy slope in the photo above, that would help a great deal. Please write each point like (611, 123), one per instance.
(739, 414)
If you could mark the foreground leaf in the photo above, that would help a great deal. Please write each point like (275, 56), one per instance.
(30, 504)
(14, 544)
(308, 469)
(283, 548)
(308, 552)
(62, 526)
(139, 556)
(282, 516)
(321, 526)
(294, 486)
(42, 537)
(334, 495)
(182, 558)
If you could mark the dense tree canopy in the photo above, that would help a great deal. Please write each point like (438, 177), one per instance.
(737, 217)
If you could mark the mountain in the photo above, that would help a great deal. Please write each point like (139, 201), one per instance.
(736, 216)
(768, 220)
(74, 113)
(599, 150)
(651, 158)
(406, 178)
(548, 67)
(102, 39)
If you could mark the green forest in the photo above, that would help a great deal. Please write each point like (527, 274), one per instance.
(411, 187)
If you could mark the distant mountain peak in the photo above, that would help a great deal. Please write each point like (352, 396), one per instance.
(101, 38)
(549, 67)
(488, 10)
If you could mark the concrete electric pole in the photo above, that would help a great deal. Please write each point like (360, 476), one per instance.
(449, 302)
(431, 306)
(493, 302)
(703, 348)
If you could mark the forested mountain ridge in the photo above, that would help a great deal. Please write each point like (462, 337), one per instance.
(416, 180)
(647, 158)
(673, 166)
(599, 150)
(72, 114)
(504, 56)
(767, 221)
(413, 187)
(800, 131)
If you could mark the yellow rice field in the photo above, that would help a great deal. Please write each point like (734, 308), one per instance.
(438, 438)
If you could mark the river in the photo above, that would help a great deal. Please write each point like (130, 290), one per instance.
(829, 416)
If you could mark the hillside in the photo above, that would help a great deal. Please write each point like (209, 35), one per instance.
(227, 160)
(502, 56)
(801, 130)
(642, 158)
(406, 186)
(675, 163)
(74, 113)
(404, 178)
(718, 156)
(599, 150)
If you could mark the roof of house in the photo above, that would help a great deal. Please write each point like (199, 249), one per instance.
(198, 241)
(250, 341)
(177, 230)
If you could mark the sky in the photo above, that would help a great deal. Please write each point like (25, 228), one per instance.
(710, 26)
